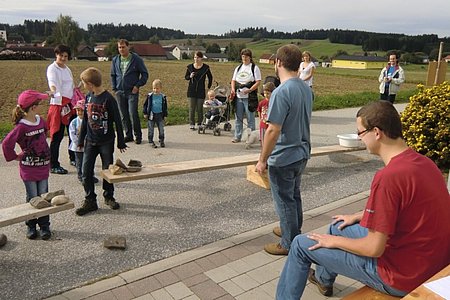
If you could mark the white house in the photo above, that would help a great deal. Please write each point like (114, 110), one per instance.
(3, 35)
(178, 51)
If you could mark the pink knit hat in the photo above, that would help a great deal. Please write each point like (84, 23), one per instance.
(80, 104)
(28, 97)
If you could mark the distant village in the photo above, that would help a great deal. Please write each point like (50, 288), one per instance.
(19, 50)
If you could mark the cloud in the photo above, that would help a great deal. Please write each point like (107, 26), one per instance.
(218, 17)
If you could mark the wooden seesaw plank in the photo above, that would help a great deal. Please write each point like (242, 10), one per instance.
(24, 212)
(200, 165)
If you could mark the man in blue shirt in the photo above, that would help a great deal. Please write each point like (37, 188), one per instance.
(128, 74)
(287, 146)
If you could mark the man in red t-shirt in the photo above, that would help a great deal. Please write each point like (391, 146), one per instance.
(400, 239)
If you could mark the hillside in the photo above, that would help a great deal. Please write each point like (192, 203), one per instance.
(318, 48)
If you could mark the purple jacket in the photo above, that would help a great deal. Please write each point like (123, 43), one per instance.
(34, 160)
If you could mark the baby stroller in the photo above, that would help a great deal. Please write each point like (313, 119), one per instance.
(221, 113)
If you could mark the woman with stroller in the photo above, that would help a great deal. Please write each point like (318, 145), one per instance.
(244, 88)
(196, 73)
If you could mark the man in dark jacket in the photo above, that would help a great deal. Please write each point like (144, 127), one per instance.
(128, 74)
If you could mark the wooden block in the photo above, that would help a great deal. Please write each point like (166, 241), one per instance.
(367, 293)
(261, 180)
(115, 242)
(25, 211)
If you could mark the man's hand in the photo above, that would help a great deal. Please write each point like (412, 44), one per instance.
(323, 241)
(261, 167)
(135, 90)
(347, 220)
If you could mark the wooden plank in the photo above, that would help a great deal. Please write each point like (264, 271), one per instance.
(192, 166)
(367, 293)
(25, 211)
(261, 180)
(422, 292)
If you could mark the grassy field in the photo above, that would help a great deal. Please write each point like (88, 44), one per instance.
(318, 48)
(334, 88)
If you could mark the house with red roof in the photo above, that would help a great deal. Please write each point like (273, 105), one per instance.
(149, 51)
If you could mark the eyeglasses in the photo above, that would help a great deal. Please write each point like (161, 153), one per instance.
(359, 133)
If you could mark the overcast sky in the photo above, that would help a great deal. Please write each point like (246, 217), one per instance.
(217, 17)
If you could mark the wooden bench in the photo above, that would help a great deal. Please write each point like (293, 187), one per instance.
(192, 166)
(421, 292)
(367, 293)
(25, 211)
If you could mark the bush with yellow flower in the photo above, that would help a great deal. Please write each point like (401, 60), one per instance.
(426, 123)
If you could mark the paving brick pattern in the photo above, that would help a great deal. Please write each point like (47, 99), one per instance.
(239, 269)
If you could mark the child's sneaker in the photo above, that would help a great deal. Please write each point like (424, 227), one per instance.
(87, 207)
(31, 232)
(111, 202)
(162, 145)
(153, 145)
(45, 232)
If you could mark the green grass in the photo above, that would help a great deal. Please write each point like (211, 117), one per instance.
(318, 48)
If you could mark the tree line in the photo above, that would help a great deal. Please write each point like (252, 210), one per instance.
(66, 30)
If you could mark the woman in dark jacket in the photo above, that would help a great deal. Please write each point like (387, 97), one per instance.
(196, 73)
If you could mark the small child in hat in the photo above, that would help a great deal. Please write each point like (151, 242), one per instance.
(30, 132)
(263, 107)
(74, 134)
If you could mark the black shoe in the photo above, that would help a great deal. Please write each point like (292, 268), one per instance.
(87, 207)
(138, 141)
(45, 233)
(59, 170)
(111, 202)
(31, 233)
(153, 145)
(162, 145)
(128, 139)
(324, 290)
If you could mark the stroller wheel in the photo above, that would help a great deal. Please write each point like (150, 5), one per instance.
(199, 129)
(218, 131)
(204, 130)
(227, 127)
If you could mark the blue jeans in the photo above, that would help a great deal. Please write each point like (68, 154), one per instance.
(79, 164)
(196, 106)
(90, 155)
(241, 107)
(159, 121)
(285, 188)
(128, 107)
(330, 263)
(33, 189)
